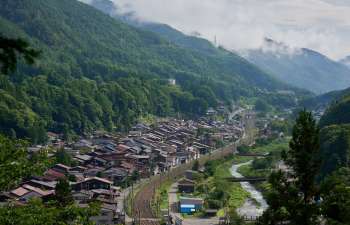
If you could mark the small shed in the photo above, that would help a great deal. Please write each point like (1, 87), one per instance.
(185, 185)
(190, 174)
(190, 205)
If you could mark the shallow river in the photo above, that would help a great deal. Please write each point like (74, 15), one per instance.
(251, 208)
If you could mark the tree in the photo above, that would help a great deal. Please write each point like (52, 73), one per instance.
(15, 163)
(61, 156)
(304, 155)
(36, 212)
(335, 192)
(195, 166)
(11, 49)
(63, 194)
(292, 199)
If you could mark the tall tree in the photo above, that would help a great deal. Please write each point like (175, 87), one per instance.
(292, 199)
(63, 194)
(303, 156)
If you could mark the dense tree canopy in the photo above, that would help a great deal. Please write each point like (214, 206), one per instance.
(39, 213)
(15, 163)
(10, 49)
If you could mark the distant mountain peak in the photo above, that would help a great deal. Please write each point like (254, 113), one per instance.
(301, 67)
(279, 48)
(346, 61)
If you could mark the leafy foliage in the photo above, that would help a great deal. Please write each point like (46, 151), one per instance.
(63, 157)
(63, 194)
(9, 51)
(38, 213)
(337, 113)
(336, 197)
(15, 163)
(335, 148)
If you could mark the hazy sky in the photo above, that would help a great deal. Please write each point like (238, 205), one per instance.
(322, 25)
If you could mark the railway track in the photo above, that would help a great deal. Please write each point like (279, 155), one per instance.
(142, 211)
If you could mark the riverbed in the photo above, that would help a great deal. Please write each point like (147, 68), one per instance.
(256, 204)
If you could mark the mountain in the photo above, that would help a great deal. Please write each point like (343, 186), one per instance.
(303, 68)
(346, 61)
(337, 113)
(163, 30)
(96, 72)
(324, 100)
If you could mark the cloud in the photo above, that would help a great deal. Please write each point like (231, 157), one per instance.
(322, 25)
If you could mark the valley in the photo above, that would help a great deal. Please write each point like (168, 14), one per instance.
(109, 115)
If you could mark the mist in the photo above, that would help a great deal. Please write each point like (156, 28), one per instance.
(321, 25)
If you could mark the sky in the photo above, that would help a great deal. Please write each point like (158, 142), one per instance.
(321, 25)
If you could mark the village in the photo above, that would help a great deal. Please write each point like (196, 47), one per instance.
(106, 164)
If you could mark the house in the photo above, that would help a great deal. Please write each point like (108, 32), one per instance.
(190, 174)
(108, 215)
(190, 205)
(93, 172)
(93, 183)
(82, 196)
(186, 186)
(27, 192)
(44, 185)
(83, 159)
(61, 168)
(211, 112)
(117, 175)
(53, 175)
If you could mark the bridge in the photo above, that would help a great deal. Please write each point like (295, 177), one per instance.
(247, 179)
(253, 154)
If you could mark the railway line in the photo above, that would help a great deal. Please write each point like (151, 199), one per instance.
(142, 211)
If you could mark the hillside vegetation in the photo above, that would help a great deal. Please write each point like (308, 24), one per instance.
(96, 72)
(335, 136)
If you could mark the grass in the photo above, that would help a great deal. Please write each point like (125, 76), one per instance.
(128, 199)
(161, 194)
(241, 159)
(249, 171)
(237, 195)
(274, 146)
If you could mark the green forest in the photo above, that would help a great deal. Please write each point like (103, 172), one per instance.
(95, 72)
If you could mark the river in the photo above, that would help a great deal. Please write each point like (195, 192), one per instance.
(256, 205)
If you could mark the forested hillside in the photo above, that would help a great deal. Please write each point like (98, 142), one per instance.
(337, 113)
(324, 100)
(97, 72)
(335, 135)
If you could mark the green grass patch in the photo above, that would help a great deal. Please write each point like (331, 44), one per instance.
(249, 171)
(162, 196)
(277, 145)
